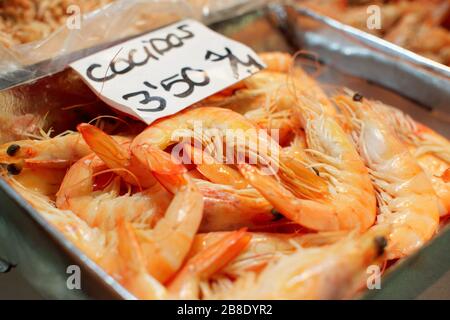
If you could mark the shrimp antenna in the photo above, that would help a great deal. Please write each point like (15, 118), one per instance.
(109, 117)
(114, 170)
(79, 105)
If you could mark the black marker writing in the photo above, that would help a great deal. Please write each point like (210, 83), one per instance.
(233, 60)
(147, 98)
(185, 78)
(90, 73)
(148, 56)
(172, 40)
(160, 46)
(115, 66)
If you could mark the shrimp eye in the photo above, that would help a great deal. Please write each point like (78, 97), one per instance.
(358, 97)
(12, 149)
(276, 214)
(380, 243)
(13, 169)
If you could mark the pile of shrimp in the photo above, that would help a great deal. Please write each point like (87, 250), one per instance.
(417, 25)
(23, 21)
(353, 183)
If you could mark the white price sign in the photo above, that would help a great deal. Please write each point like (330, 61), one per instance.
(167, 70)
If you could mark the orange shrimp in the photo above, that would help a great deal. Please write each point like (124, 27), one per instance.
(147, 148)
(431, 150)
(100, 208)
(263, 248)
(228, 208)
(186, 284)
(277, 61)
(331, 272)
(349, 203)
(407, 202)
(52, 153)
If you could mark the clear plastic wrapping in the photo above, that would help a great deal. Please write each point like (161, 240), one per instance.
(120, 19)
(56, 100)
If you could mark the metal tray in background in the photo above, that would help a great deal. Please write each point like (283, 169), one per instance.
(42, 254)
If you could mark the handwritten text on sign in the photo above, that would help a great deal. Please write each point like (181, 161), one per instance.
(165, 71)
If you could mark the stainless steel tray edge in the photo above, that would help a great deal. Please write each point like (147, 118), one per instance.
(411, 277)
(371, 58)
(21, 225)
(43, 261)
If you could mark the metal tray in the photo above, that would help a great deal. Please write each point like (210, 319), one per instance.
(42, 254)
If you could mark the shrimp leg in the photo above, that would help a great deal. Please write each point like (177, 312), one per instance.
(407, 201)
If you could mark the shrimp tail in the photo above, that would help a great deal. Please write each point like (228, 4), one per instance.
(219, 254)
(134, 275)
(208, 262)
(277, 61)
(116, 156)
(108, 149)
(157, 160)
(165, 168)
(213, 170)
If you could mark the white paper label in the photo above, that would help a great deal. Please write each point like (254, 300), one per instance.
(167, 70)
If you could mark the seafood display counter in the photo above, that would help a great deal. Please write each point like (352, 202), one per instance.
(363, 180)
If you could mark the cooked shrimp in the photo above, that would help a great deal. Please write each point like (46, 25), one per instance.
(229, 202)
(263, 248)
(41, 180)
(212, 169)
(331, 272)
(419, 31)
(431, 150)
(277, 61)
(41, 164)
(227, 208)
(133, 266)
(164, 236)
(116, 251)
(170, 240)
(149, 145)
(210, 260)
(101, 208)
(266, 98)
(240, 136)
(185, 285)
(116, 155)
(54, 153)
(406, 200)
(91, 241)
(349, 202)
(213, 123)
(217, 126)
(404, 31)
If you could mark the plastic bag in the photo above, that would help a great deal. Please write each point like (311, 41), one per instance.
(62, 100)
(114, 21)
(117, 20)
